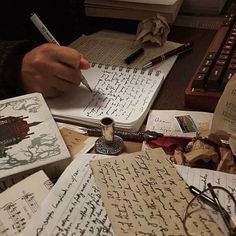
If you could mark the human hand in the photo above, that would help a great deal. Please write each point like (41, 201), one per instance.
(52, 70)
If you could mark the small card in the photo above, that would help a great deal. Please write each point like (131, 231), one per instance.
(186, 123)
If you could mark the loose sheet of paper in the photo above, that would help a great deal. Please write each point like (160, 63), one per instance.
(200, 177)
(73, 206)
(76, 141)
(144, 195)
(20, 202)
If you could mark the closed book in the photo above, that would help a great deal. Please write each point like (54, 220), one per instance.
(196, 7)
(29, 140)
(133, 10)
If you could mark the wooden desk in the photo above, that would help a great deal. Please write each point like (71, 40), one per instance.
(171, 95)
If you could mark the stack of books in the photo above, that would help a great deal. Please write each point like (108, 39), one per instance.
(29, 140)
(196, 7)
(133, 9)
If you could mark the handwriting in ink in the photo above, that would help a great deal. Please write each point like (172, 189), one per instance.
(149, 200)
(121, 94)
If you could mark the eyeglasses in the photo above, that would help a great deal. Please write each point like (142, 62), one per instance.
(228, 216)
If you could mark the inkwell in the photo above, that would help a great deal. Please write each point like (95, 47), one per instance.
(108, 143)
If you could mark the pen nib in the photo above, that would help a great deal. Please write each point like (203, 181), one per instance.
(85, 83)
(147, 65)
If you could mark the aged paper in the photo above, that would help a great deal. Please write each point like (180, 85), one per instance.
(76, 128)
(73, 206)
(109, 47)
(224, 119)
(144, 195)
(77, 142)
(21, 201)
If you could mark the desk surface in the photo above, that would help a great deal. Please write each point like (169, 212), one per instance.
(171, 95)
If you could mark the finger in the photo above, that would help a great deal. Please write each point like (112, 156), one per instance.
(56, 69)
(69, 56)
(67, 73)
(62, 85)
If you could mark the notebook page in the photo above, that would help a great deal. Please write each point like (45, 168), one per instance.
(120, 93)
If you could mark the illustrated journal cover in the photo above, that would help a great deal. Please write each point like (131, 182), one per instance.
(29, 136)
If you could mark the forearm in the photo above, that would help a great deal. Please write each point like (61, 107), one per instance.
(11, 54)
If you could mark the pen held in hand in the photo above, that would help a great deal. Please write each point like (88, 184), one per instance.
(179, 50)
(49, 37)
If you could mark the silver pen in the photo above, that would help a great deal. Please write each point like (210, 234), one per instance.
(49, 37)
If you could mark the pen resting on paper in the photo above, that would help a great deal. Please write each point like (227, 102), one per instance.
(50, 38)
(179, 50)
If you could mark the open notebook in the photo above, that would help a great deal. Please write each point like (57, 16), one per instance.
(123, 94)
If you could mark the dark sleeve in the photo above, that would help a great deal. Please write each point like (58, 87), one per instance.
(11, 54)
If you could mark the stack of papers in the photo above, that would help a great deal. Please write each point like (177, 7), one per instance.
(133, 9)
